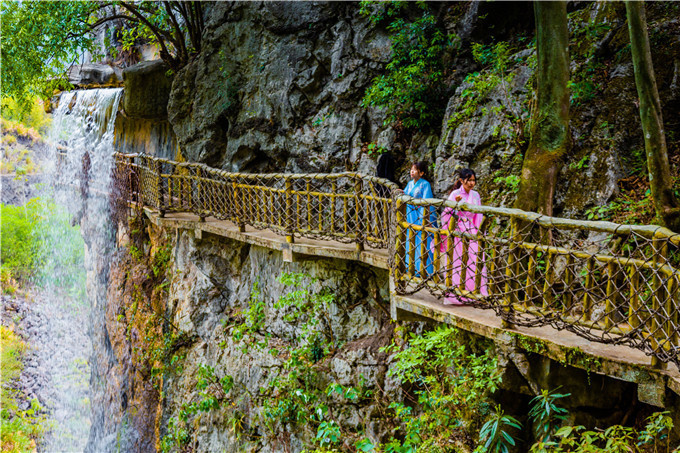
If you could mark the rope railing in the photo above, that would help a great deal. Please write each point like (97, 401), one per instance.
(606, 282)
(318, 206)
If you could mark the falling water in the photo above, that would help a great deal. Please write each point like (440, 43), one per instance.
(78, 173)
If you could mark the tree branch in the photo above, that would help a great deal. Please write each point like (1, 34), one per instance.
(165, 54)
(111, 18)
(180, 44)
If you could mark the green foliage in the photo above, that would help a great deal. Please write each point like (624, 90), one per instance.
(250, 322)
(379, 12)
(161, 260)
(658, 427)
(21, 250)
(40, 246)
(626, 210)
(615, 439)
(19, 429)
(39, 40)
(31, 114)
(585, 31)
(452, 384)
(511, 182)
(411, 90)
(546, 414)
(374, 150)
(494, 434)
(297, 397)
(581, 164)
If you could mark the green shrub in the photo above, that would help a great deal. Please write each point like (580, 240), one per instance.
(452, 385)
(21, 251)
(412, 89)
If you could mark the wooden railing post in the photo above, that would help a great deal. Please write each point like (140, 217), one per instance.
(199, 205)
(660, 248)
(400, 246)
(161, 189)
(239, 209)
(510, 272)
(290, 220)
(359, 213)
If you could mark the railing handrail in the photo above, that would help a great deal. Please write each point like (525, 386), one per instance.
(650, 231)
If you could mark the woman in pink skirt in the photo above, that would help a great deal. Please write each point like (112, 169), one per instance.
(463, 222)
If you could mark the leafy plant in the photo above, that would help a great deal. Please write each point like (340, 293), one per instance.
(615, 439)
(546, 414)
(659, 426)
(510, 181)
(30, 114)
(494, 434)
(452, 383)
(374, 150)
(581, 164)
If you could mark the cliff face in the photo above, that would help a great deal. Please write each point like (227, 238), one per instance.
(204, 339)
(190, 348)
(278, 86)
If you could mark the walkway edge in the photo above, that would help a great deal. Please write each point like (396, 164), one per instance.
(619, 362)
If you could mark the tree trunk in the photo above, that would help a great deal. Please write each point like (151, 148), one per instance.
(660, 180)
(550, 120)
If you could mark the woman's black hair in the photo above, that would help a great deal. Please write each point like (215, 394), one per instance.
(421, 166)
(463, 175)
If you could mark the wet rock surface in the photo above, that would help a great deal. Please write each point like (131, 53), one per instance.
(18, 189)
(56, 370)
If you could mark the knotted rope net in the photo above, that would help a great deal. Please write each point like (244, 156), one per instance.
(316, 206)
(609, 283)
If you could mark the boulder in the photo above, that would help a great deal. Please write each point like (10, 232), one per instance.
(147, 90)
(92, 75)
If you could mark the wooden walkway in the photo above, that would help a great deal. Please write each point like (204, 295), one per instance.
(620, 362)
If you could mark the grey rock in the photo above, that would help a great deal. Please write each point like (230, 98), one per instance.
(92, 75)
(147, 90)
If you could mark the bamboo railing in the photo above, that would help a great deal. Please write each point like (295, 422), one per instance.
(606, 282)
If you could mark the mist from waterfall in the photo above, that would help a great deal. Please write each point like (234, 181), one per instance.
(78, 173)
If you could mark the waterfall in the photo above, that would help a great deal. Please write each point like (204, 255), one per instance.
(78, 175)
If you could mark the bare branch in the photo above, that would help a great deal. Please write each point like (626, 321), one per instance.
(111, 18)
